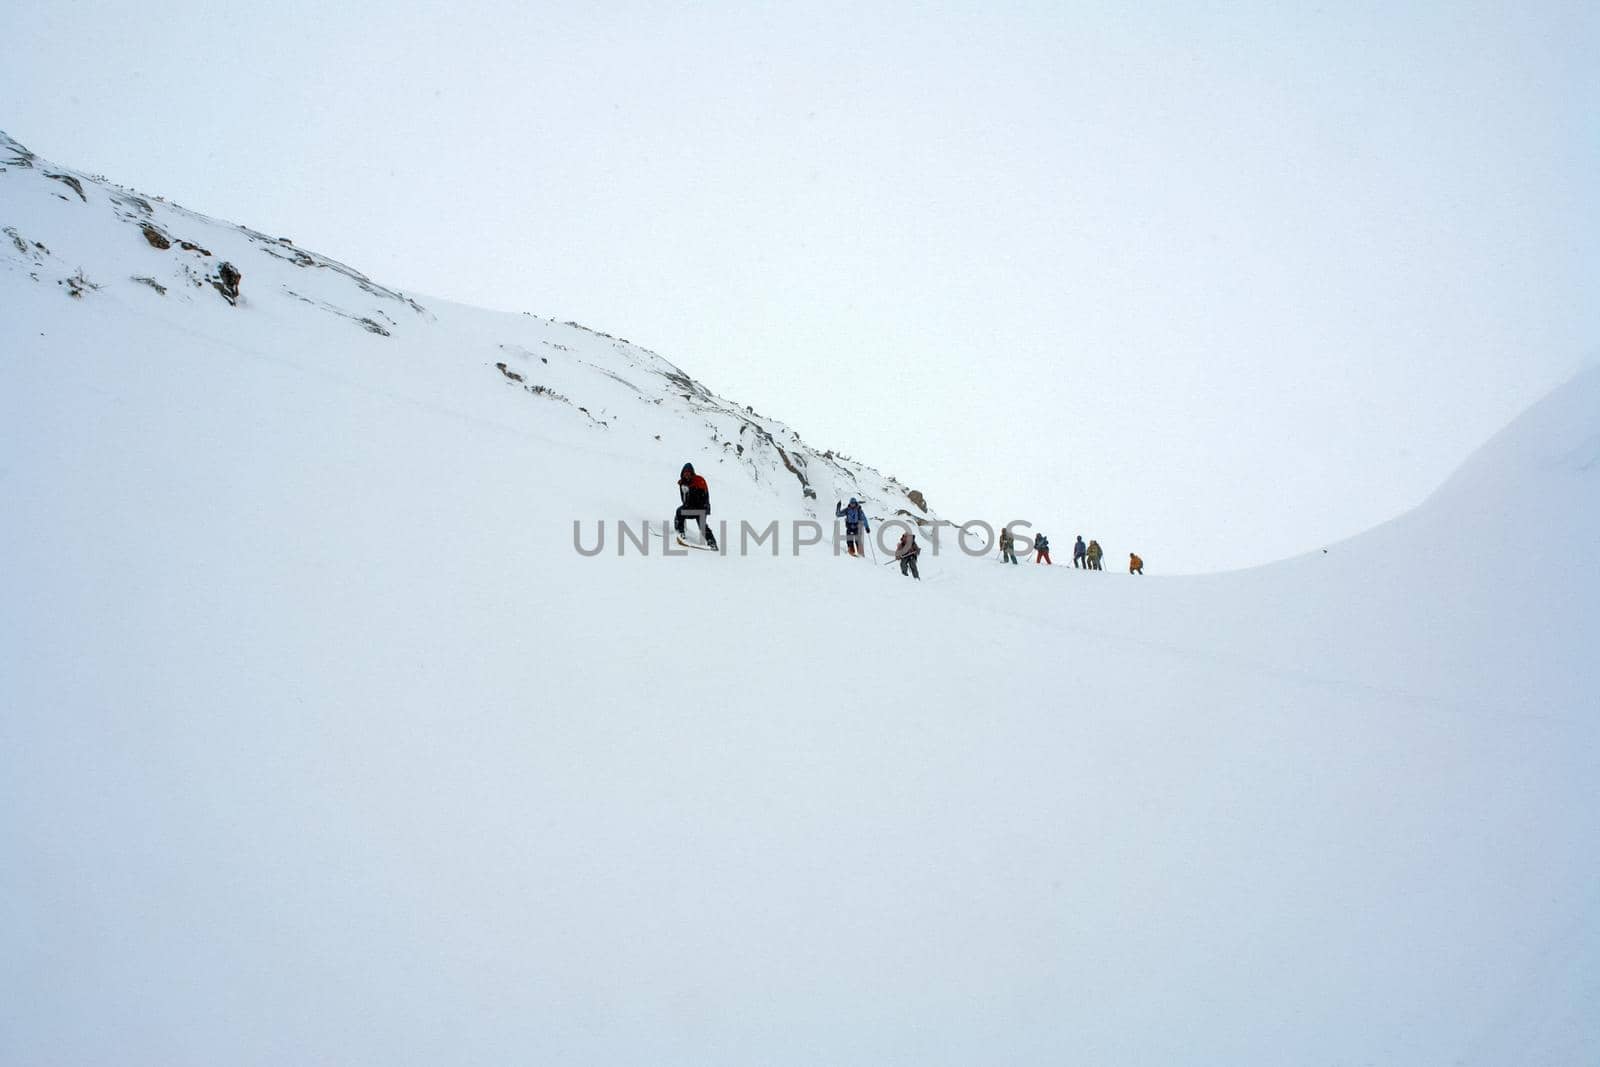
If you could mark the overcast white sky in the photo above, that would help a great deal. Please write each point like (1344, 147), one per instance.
(1218, 283)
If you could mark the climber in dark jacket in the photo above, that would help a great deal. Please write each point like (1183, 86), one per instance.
(696, 497)
(855, 524)
(1080, 553)
(907, 552)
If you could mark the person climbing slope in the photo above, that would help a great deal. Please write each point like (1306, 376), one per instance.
(1135, 564)
(907, 552)
(1041, 549)
(1008, 545)
(695, 495)
(855, 525)
(1094, 554)
(1080, 552)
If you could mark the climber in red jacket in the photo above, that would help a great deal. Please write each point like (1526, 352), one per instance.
(696, 497)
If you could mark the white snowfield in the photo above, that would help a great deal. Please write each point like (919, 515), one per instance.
(320, 742)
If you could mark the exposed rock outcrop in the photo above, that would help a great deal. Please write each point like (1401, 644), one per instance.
(71, 183)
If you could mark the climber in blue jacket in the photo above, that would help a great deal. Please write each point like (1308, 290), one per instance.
(855, 525)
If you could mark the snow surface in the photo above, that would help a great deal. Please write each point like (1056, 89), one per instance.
(319, 742)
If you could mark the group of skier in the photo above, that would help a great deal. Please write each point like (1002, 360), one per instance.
(695, 497)
(1041, 548)
(856, 529)
(1089, 556)
(1084, 556)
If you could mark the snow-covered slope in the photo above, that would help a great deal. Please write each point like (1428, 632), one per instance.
(77, 235)
(1485, 597)
(319, 742)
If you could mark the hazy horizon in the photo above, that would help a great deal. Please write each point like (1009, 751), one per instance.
(1216, 287)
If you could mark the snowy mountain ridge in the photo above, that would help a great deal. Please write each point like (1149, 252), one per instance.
(94, 240)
